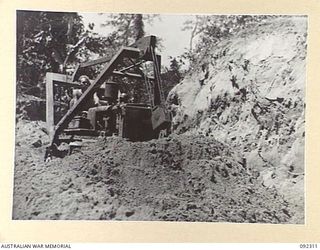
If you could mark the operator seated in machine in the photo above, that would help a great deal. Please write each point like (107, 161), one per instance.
(101, 116)
(77, 92)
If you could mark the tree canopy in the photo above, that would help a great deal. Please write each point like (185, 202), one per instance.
(51, 41)
(208, 30)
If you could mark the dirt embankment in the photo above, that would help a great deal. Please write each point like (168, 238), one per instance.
(253, 101)
(180, 178)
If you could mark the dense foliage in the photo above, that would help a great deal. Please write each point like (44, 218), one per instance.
(172, 76)
(45, 41)
(55, 42)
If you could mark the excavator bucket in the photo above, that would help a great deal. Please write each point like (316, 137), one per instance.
(160, 118)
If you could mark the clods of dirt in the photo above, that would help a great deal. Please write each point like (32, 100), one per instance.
(179, 178)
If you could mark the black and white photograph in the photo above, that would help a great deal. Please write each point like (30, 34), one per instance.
(160, 117)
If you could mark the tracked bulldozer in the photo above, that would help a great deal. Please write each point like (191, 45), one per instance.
(117, 116)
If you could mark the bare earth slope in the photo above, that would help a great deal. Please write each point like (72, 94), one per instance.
(253, 100)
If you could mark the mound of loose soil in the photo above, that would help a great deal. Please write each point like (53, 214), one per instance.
(179, 178)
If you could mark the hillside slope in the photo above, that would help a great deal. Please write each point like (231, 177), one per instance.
(253, 100)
